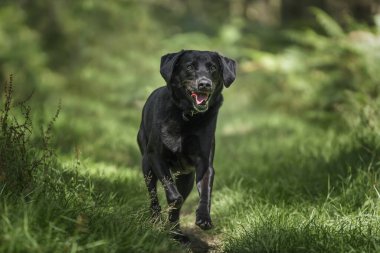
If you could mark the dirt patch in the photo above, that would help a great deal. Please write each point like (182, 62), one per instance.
(202, 242)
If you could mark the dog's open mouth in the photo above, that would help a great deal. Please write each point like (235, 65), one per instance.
(200, 99)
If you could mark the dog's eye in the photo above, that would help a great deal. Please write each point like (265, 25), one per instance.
(189, 67)
(212, 68)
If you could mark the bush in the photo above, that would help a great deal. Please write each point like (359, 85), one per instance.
(20, 159)
(332, 73)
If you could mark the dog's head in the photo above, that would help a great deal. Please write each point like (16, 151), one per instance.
(196, 78)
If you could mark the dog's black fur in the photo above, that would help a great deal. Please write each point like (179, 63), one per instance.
(177, 131)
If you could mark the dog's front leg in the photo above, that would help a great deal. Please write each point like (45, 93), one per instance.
(173, 197)
(205, 179)
(162, 171)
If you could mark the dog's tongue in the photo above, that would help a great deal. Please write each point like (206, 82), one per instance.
(199, 97)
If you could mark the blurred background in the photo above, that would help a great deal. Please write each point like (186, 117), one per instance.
(301, 122)
(316, 58)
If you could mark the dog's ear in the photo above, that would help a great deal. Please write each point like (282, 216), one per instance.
(168, 62)
(228, 70)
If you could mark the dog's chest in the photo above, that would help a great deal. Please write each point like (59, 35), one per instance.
(179, 139)
(182, 144)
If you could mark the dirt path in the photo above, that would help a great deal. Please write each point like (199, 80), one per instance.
(201, 241)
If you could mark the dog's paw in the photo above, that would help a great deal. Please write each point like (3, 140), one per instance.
(204, 224)
(203, 221)
(177, 234)
(180, 237)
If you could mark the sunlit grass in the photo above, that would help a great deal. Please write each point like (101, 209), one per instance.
(302, 228)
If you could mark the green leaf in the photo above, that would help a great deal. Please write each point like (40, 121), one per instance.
(330, 26)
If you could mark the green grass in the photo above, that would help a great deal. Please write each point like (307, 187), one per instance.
(99, 210)
(306, 190)
(297, 157)
(282, 185)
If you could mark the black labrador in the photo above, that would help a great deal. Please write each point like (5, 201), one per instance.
(177, 131)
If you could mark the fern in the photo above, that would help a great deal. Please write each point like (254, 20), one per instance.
(329, 25)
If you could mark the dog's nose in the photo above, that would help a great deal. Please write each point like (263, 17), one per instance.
(204, 85)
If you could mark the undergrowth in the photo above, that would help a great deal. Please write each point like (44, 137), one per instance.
(48, 205)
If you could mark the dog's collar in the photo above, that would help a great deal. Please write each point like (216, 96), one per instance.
(187, 115)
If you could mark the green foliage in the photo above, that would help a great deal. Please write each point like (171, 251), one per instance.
(297, 141)
(25, 155)
(21, 54)
(46, 206)
(18, 160)
(334, 76)
(329, 25)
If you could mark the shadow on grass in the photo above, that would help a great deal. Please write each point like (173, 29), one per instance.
(297, 191)
(286, 166)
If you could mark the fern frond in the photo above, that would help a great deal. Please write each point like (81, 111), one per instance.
(329, 25)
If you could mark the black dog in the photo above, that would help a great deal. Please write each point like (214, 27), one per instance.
(177, 131)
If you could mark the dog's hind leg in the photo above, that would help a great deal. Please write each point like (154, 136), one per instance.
(151, 183)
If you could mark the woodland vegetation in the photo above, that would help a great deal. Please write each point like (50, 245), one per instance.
(298, 137)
